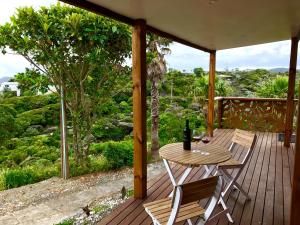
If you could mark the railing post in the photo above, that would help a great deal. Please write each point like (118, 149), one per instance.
(291, 91)
(211, 93)
(295, 201)
(139, 108)
(220, 112)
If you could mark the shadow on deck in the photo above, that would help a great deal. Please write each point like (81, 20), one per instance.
(266, 177)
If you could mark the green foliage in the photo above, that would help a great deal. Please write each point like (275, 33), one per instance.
(93, 164)
(67, 222)
(22, 176)
(199, 72)
(77, 50)
(8, 123)
(108, 129)
(119, 154)
(26, 103)
(32, 81)
(47, 115)
(244, 82)
(275, 88)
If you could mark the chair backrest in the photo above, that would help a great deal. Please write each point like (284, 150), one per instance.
(195, 191)
(245, 139)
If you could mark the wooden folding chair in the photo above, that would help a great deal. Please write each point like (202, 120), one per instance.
(247, 140)
(184, 205)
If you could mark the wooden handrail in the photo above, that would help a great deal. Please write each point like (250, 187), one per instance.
(252, 99)
(261, 114)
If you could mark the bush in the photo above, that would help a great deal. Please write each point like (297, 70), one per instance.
(48, 115)
(94, 164)
(17, 156)
(22, 176)
(97, 148)
(19, 177)
(26, 103)
(108, 129)
(119, 154)
(8, 125)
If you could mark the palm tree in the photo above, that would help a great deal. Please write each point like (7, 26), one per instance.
(156, 68)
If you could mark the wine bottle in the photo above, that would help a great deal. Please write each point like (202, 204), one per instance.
(187, 136)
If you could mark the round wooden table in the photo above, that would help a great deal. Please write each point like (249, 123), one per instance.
(209, 154)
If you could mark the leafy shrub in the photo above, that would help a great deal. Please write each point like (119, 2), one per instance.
(26, 103)
(172, 124)
(19, 177)
(17, 156)
(119, 154)
(108, 129)
(125, 107)
(48, 115)
(8, 126)
(275, 88)
(97, 148)
(94, 164)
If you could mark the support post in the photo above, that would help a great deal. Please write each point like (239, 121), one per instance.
(63, 137)
(139, 108)
(295, 203)
(220, 112)
(211, 93)
(291, 91)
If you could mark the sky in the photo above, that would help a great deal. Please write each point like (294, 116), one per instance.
(183, 58)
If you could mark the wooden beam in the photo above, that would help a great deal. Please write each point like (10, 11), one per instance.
(92, 7)
(177, 39)
(295, 201)
(211, 93)
(139, 108)
(291, 91)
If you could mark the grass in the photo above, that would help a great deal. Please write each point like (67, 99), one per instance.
(66, 222)
(100, 208)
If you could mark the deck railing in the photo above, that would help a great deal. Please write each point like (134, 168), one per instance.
(259, 114)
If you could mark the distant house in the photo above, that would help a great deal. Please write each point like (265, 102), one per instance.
(12, 86)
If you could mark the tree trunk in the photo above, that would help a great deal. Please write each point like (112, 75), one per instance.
(75, 140)
(155, 117)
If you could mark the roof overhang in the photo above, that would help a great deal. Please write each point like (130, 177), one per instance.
(207, 24)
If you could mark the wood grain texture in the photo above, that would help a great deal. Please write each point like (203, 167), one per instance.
(295, 203)
(265, 178)
(139, 108)
(291, 92)
(211, 94)
(254, 114)
(210, 154)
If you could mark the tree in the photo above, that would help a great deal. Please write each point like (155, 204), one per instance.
(275, 88)
(156, 68)
(81, 53)
(32, 82)
(199, 72)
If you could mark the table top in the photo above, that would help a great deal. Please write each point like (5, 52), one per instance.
(209, 154)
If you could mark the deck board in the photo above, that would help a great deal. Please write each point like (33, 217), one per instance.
(266, 178)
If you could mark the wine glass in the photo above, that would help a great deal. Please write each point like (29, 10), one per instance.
(206, 140)
(197, 137)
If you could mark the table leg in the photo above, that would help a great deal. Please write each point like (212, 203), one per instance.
(209, 169)
(172, 178)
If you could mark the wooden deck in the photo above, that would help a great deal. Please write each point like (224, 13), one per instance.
(266, 177)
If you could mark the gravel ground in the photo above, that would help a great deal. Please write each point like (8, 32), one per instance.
(32, 196)
(18, 198)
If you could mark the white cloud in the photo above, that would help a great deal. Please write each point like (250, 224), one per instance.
(269, 55)
(8, 8)
(182, 57)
